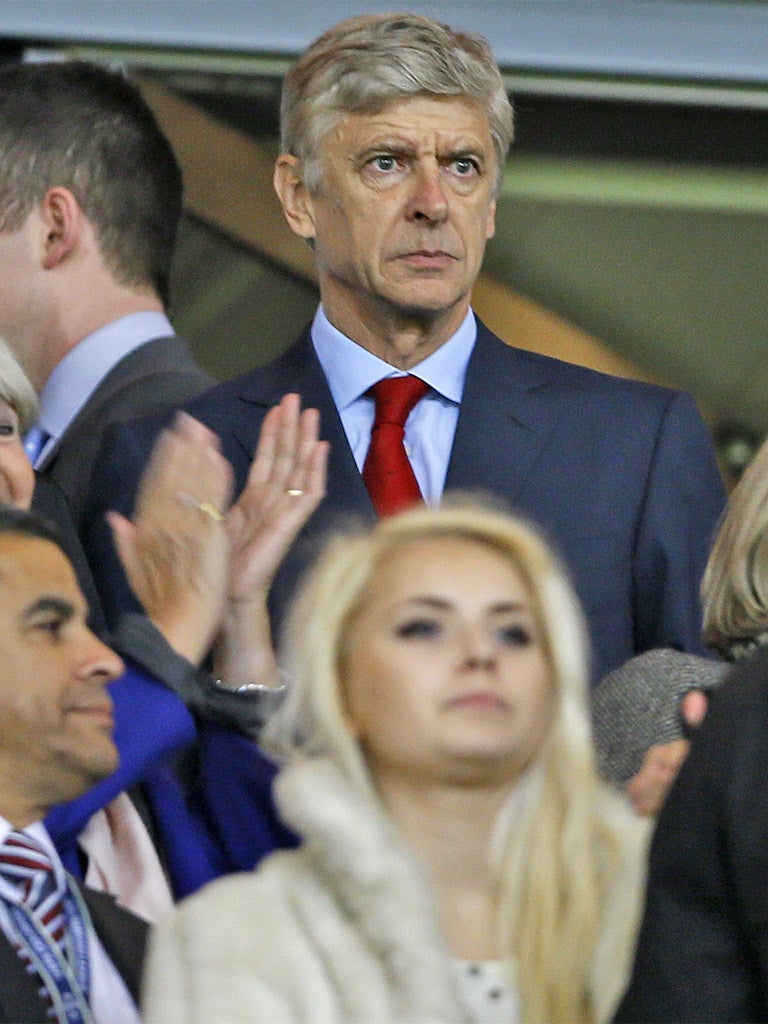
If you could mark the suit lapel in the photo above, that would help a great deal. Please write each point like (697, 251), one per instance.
(122, 934)
(299, 370)
(506, 417)
(169, 355)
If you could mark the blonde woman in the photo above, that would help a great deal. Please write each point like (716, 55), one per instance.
(460, 859)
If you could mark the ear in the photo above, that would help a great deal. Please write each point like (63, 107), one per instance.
(62, 218)
(490, 221)
(294, 196)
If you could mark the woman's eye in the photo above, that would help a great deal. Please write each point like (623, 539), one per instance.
(417, 628)
(8, 429)
(515, 636)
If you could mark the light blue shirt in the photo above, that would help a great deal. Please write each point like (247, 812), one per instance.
(429, 430)
(84, 367)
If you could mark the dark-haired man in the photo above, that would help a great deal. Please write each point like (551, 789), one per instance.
(66, 954)
(90, 199)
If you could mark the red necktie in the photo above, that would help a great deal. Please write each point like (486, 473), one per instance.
(387, 472)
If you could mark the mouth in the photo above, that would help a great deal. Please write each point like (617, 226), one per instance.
(428, 259)
(100, 715)
(478, 700)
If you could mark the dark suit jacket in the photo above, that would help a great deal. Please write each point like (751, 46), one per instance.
(48, 500)
(123, 936)
(160, 374)
(619, 475)
(703, 948)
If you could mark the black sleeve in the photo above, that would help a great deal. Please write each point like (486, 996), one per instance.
(702, 951)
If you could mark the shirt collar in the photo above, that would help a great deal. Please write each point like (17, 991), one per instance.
(79, 373)
(351, 369)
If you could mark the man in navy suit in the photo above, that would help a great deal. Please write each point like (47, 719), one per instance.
(394, 133)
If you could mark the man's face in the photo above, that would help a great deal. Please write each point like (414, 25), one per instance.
(404, 209)
(55, 714)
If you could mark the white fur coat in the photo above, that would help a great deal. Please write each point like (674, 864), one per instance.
(341, 931)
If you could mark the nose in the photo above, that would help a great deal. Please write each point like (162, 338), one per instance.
(480, 650)
(428, 202)
(99, 662)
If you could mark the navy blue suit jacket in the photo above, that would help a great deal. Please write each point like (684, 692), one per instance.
(619, 475)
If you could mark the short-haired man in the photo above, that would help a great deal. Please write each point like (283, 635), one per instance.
(90, 200)
(66, 954)
(394, 133)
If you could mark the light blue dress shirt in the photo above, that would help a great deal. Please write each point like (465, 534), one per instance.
(84, 367)
(351, 370)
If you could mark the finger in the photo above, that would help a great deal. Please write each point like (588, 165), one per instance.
(191, 428)
(694, 707)
(317, 471)
(186, 460)
(266, 448)
(288, 443)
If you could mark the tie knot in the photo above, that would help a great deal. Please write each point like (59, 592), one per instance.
(25, 864)
(395, 397)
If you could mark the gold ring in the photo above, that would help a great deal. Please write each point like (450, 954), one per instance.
(202, 506)
(295, 492)
(210, 510)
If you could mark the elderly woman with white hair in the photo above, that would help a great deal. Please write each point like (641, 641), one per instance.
(460, 861)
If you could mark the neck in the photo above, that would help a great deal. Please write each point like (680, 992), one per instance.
(451, 828)
(401, 338)
(77, 321)
(20, 813)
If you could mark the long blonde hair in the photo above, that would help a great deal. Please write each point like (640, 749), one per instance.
(734, 589)
(552, 865)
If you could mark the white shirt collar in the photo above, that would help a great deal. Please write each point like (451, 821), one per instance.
(351, 369)
(83, 368)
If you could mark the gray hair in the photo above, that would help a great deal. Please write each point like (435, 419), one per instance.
(364, 64)
(16, 388)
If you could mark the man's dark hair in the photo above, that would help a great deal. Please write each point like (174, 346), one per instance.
(84, 127)
(29, 524)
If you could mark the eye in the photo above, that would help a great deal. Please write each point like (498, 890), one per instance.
(9, 426)
(383, 162)
(51, 627)
(465, 166)
(418, 629)
(515, 635)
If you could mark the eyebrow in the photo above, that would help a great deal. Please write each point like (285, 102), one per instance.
(49, 605)
(443, 604)
(410, 145)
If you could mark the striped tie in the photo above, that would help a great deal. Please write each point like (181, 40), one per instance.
(25, 865)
